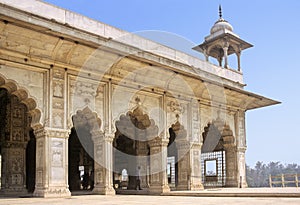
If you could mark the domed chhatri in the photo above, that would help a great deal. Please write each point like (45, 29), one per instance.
(222, 42)
(221, 24)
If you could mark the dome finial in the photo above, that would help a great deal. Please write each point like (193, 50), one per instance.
(220, 11)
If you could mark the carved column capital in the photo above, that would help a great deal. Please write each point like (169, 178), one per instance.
(159, 142)
(229, 141)
(97, 135)
(15, 145)
(100, 136)
(109, 137)
(242, 149)
(183, 144)
(51, 132)
(58, 133)
(197, 146)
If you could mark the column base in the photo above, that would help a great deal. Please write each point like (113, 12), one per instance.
(182, 187)
(244, 185)
(52, 192)
(157, 190)
(197, 187)
(14, 192)
(104, 191)
(232, 184)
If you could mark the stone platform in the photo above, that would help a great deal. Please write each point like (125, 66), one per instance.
(258, 196)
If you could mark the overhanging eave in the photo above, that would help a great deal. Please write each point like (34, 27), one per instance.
(247, 100)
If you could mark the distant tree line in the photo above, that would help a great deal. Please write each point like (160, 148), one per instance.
(259, 175)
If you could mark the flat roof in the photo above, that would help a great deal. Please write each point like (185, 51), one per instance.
(83, 23)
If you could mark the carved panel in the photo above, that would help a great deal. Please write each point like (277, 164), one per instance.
(17, 134)
(195, 123)
(57, 161)
(155, 177)
(83, 93)
(241, 129)
(84, 88)
(58, 88)
(57, 153)
(99, 151)
(39, 179)
(58, 73)
(58, 103)
(58, 118)
(40, 153)
(176, 107)
(196, 165)
(99, 176)
(16, 164)
(183, 176)
(16, 179)
(17, 121)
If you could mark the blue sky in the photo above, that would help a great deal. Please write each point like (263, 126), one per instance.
(271, 68)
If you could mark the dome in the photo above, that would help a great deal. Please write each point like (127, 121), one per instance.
(220, 25)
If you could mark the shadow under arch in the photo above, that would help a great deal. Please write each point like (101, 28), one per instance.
(19, 117)
(134, 130)
(218, 156)
(177, 133)
(81, 150)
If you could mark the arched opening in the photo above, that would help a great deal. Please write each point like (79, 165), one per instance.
(233, 58)
(124, 175)
(81, 151)
(0, 168)
(17, 141)
(30, 162)
(217, 144)
(125, 150)
(172, 160)
(131, 149)
(176, 166)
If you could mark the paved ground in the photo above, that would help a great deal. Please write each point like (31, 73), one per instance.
(235, 192)
(151, 200)
(260, 196)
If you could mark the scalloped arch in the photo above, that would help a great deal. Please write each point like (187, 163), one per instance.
(23, 95)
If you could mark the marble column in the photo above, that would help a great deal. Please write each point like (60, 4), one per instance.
(158, 166)
(51, 162)
(189, 166)
(103, 169)
(241, 147)
(241, 167)
(231, 164)
(196, 173)
(239, 61)
(184, 169)
(225, 49)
